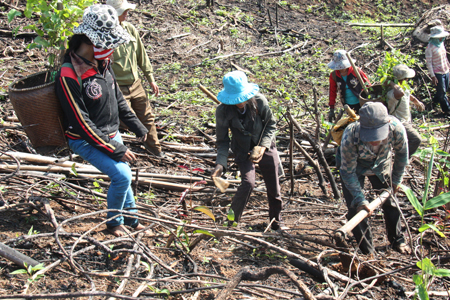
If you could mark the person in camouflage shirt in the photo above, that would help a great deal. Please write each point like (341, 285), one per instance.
(366, 151)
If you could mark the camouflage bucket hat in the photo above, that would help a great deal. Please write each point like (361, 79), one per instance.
(101, 26)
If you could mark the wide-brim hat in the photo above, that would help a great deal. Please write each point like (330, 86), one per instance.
(236, 89)
(438, 32)
(403, 71)
(121, 6)
(374, 122)
(339, 61)
(101, 26)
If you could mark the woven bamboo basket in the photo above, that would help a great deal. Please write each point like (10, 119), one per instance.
(376, 93)
(38, 109)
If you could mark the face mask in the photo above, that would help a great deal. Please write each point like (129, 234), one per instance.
(437, 41)
(102, 54)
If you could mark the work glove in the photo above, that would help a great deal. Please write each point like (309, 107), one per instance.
(217, 171)
(331, 115)
(257, 154)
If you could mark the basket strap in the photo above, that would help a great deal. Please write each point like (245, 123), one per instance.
(69, 65)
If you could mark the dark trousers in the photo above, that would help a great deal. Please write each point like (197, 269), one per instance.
(269, 169)
(441, 92)
(414, 138)
(362, 232)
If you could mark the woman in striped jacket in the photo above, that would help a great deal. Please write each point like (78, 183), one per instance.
(438, 66)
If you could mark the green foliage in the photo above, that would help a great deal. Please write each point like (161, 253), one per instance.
(32, 232)
(384, 73)
(53, 26)
(428, 269)
(428, 272)
(30, 270)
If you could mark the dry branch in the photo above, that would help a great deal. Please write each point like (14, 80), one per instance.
(320, 156)
(245, 274)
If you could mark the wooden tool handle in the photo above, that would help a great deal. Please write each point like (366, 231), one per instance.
(357, 74)
(350, 112)
(361, 215)
(208, 93)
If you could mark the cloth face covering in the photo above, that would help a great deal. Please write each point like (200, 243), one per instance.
(437, 41)
(102, 54)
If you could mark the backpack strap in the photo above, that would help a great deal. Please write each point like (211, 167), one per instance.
(69, 65)
(333, 75)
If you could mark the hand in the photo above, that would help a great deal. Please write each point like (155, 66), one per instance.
(217, 171)
(155, 88)
(331, 115)
(434, 80)
(128, 156)
(366, 208)
(141, 139)
(419, 105)
(257, 154)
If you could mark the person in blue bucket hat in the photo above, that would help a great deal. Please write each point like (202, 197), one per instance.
(246, 113)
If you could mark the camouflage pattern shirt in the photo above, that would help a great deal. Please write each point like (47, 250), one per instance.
(358, 158)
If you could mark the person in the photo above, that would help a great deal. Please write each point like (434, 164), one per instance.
(438, 66)
(366, 151)
(93, 104)
(398, 105)
(127, 58)
(246, 112)
(343, 80)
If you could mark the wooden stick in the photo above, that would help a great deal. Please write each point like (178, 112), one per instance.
(357, 74)
(314, 165)
(208, 93)
(291, 156)
(16, 257)
(320, 156)
(342, 232)
(381, 24)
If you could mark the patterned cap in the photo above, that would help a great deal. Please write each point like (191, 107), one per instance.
(101, 26)
(340, 61)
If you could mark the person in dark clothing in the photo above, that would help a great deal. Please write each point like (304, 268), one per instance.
(93, 107)
(247, 114)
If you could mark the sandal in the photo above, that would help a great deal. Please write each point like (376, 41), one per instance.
(402, 248)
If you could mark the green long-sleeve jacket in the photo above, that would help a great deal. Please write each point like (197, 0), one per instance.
(128, 57)
(357, 159)
(243, 136)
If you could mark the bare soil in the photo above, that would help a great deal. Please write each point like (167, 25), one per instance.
(190, 274)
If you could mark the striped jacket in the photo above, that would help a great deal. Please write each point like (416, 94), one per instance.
(437, 62)
(92, 112)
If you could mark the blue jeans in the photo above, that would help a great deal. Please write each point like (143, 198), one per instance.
(441, 92)
(120, 195)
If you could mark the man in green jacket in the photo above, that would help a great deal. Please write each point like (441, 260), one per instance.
(127, 59)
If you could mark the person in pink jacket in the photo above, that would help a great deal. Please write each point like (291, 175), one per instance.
(438, 66)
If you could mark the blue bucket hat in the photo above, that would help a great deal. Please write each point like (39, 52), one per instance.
(236, 88)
